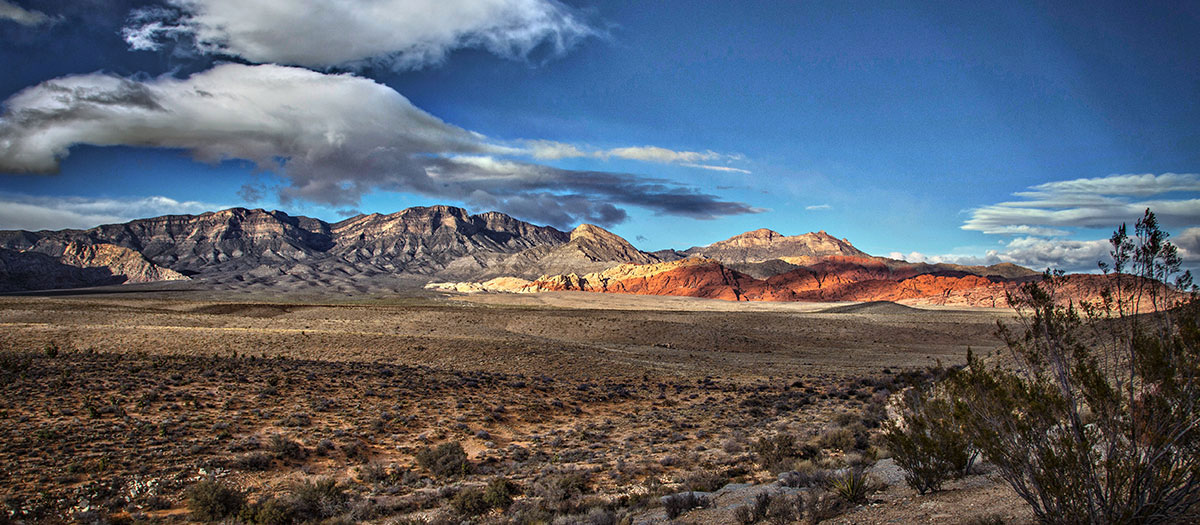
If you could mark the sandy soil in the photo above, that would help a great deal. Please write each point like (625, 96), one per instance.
(639, 392)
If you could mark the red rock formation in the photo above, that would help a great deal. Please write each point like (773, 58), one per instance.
(829, 279)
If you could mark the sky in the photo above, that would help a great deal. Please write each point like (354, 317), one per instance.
(960, 132)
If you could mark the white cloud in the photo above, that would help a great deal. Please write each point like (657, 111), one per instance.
(322, 33)
(1145, 184)
(918, 257)
(716, 168)
(663, 155)
(260, 113)
(1188, 239)
(25, 17)
(818, 207)
(1040, 254)
(332, 137)
(551, 150)
(1188, 242)
(27, 212)
(1102, 202)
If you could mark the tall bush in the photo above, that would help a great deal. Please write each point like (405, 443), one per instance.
(1093, 415)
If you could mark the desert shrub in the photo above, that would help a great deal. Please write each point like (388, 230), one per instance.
(272, 511)
(286, 448)
(776, 453)
(446, 460)
(318, 499)
(1096, 418)
(837, 439)
(929, 442)
(677, 504)
(785, 510)
(822, 506)
(706, 480)
(254, 461)
(297, 419)
(213, 501)
(990, 519)
(807, 474)
(853, 485)
(324, 447)
(743, 515)
(600, 516)
(377, 474)
(560, 490)
(499, 493)
(14, 362)
(356, 450)
(470, 502)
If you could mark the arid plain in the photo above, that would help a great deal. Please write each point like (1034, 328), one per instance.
(594, 406)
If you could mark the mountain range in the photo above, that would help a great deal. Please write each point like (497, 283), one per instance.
(446, 248)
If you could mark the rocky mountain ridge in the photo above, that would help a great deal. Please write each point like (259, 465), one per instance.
(239, 248)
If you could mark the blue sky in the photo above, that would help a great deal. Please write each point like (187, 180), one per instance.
(952, 131)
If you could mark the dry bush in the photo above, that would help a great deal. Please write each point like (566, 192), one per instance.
(1098, 418)
(213, 501)
(447, 460)
(929, 442)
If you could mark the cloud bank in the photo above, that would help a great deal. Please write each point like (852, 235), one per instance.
(1046, 213)
(551, 150)
(404, 34)
(25, 17)
(333, 138)
(26, 212)
(1030, 252)
(1102, 202)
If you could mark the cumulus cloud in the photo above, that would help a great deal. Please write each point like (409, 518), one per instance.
(27, 212)
(403, 34)
(918, 257)
(1102, 202)
(1189, 240)
(25, 17)
(331, 137)
(1040, 254)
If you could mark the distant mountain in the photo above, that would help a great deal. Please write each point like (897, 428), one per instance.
(764, 245)
(239, 247)
(589, 249)
(271, 250)
(823, 279)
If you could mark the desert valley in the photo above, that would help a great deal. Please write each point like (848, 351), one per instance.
(265, 351)
(599, 262)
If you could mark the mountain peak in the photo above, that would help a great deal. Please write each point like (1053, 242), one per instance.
(761, 233)
(591, 231)
(764, 244)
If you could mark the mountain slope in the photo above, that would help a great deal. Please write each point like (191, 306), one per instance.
(589, 249)
(763, 245)
(824, 279)
(238, 247)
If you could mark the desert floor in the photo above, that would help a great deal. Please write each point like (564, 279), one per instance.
(114, 402)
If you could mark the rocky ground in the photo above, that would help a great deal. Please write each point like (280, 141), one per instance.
(590, 409)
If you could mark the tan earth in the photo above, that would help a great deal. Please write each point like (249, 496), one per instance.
(148, 391)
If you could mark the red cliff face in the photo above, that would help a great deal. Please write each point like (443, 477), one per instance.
(830, 279)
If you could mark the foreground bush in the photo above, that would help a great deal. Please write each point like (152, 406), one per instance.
(447, 460)
(929, 442)
(213, 501)
(1097, 418)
